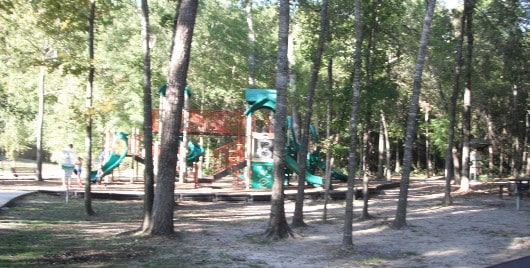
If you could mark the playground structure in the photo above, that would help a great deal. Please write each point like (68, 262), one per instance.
(261, 163)
(111, 158)
(247, 150)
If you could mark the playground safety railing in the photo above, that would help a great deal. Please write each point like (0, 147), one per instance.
(229, 156)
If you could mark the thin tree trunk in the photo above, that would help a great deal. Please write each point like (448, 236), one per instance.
(469, 5)
(149, 180)
(397, 168)
(278, 227)
(381, 153)
(164, 199)
(366, 149)
(518, 137)
(427, 142)
(449, 163)
(419, 153)
(492, 148)
(40, 122)
(501, 160)
(298, 218)
(329, 157)
(526, 155)
(366, 145)
(251, 36)
(347, 238)
(388, 168)
(401, 212)
(456, 165)
(89, 89)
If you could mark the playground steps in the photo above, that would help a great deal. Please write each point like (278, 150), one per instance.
(229, 170)
(229, 158)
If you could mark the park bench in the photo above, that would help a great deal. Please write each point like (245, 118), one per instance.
(509, 186)
(505, 185)
(518, 187)
(24, 172)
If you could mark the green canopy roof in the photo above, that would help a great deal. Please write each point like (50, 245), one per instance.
(260, 98)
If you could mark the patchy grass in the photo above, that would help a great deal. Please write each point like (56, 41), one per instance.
(44, 230)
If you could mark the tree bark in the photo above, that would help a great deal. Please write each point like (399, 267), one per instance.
(298, 218)
(388, 169)
(469, 6)
(397, 168)
(427, 142)
(40, 122)
(347, 238)
(449, 165)
(278, 227)
(89, 89)
(329, 157)
(366, 168)
(148, 121)
(164, 199)
(252, 40)
(381, 153)
(401, 212)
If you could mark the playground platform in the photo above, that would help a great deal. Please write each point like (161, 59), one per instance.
(122, 188)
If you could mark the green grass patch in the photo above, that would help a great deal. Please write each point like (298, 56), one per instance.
(44, 230)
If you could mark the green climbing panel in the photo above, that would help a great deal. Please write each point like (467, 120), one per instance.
(262, 175)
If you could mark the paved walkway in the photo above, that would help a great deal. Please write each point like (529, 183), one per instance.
(8, 196)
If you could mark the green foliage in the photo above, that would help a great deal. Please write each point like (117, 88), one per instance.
(438, 134)
(53, 34)
(14, 138)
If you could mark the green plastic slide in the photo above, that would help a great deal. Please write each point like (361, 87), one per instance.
(113, 160)
(293, 166)
(194, 151)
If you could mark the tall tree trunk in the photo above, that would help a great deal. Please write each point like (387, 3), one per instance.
(381, 152)
(388, 168)
(428, 159)
(492, 148)
(401, 212)
(456, 165)
(366, 145)
(347, 238)
(164, 199)
(366, 151)
(40, 122)
(450, 171)
(526, 155)
(278, 227)
(89, 89)
(419, 153)
(329, 157)
(469, 6)
(251, 36)
(518, 134)
(149, 180)
(298, 217)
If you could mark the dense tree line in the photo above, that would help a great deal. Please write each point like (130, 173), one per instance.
(44, 45)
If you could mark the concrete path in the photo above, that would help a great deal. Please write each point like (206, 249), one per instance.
(7, 196)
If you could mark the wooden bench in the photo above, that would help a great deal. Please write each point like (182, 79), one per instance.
(24, 172)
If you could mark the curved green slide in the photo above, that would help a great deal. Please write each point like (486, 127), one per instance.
(195, 151)
(293, 166)
(113, 160)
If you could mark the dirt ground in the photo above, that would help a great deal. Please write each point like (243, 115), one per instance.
(478, 230)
